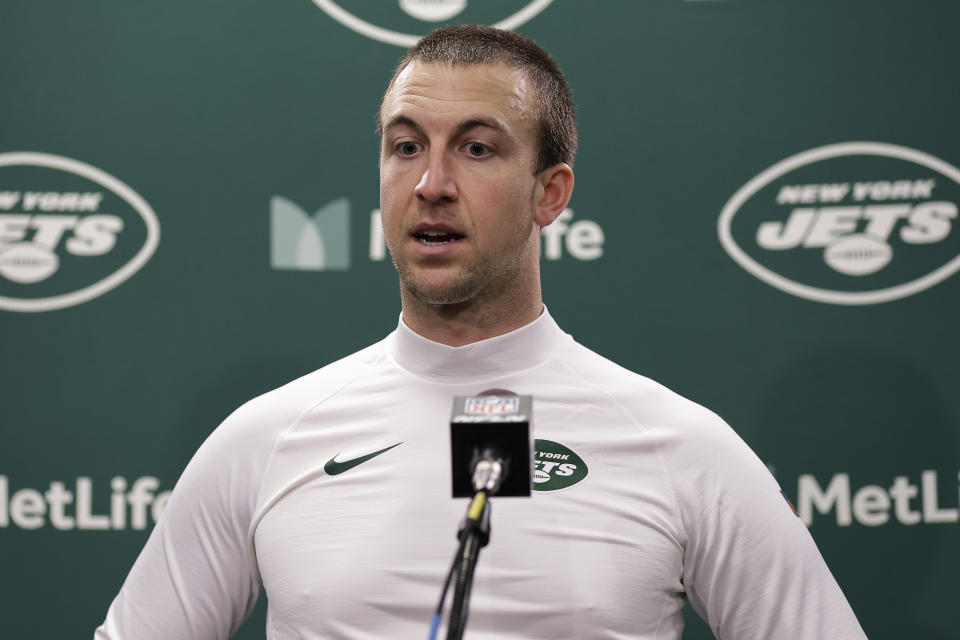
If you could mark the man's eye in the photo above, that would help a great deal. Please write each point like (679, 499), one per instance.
(477, 149)
(407, 148)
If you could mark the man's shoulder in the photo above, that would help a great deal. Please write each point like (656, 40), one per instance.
(640, 395)
(313, 387)
(274, 410)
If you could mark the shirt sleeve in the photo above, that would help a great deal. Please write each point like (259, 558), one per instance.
(751, 568)
(197, 578)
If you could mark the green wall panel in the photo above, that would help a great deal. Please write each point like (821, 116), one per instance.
(209, 112)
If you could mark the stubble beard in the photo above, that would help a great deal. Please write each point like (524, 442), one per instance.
(485, 279)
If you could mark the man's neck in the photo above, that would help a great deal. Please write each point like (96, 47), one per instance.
(466, 322)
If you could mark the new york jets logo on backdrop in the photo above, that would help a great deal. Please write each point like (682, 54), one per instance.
(852, 223)
(69, 232)
(404, 22)
(555, 466)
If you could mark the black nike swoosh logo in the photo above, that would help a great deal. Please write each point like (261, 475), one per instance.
(333, 467)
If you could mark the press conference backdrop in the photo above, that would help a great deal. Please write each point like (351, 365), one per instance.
(765, 220)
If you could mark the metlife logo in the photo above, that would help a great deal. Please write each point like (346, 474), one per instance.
(82, 505)
(321, 242)
(903, 501)
(403, 23)
(850, 224)
(309, 243)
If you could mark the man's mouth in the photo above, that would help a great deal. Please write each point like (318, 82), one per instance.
(436, 237)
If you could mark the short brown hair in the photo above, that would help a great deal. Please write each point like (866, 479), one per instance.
(468, 44)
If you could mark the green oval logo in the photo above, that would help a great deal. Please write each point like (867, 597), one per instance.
(555, 466)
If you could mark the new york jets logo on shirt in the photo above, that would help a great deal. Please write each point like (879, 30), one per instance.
(555, 466)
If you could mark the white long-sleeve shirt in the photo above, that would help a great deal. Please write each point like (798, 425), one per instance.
(672, 505)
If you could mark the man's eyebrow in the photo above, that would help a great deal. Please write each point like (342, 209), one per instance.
(405, 121)
(401, 121)
(480, 122)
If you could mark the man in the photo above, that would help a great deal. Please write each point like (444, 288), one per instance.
(332, 492)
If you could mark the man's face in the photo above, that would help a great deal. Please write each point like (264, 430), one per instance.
(456, 180)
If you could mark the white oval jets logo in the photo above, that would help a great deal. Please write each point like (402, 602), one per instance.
(853, 223)
(69, 232)
(406, 17)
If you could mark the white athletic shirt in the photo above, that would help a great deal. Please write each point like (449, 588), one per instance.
(673, 505)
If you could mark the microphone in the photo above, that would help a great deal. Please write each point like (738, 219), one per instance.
(490, 447)
(487, 433)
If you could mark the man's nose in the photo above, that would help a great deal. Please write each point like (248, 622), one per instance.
(437, 183)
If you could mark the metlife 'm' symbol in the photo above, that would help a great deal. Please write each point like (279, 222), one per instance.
(299, 242)
(406, 18)
(69, 232)
(853, 223)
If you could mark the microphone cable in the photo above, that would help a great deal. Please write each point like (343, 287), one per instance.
(473, 535)
(438, 614)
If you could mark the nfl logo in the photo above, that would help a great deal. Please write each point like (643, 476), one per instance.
(492, 405)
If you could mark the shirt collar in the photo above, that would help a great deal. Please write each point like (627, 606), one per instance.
(520, 349)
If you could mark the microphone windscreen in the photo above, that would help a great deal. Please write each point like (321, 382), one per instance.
(500, 422)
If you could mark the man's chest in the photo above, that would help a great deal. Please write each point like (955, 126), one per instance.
(358, 531)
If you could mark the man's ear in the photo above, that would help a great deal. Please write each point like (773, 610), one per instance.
(554, 188)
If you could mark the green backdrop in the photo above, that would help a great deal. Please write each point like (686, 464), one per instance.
(763, 221)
